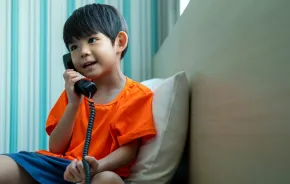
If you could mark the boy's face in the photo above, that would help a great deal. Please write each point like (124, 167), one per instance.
(95, 55)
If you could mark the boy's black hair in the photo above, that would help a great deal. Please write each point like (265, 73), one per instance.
(94, 18)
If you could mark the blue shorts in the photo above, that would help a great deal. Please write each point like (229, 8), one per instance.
(44, 169)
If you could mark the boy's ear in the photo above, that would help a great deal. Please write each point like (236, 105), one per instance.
(121, 41)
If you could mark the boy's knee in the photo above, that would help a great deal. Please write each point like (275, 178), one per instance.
(11, 172)
(107, 177)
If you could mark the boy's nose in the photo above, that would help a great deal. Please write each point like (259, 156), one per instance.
(85, 51)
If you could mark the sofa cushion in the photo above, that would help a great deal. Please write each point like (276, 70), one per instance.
(158, 158)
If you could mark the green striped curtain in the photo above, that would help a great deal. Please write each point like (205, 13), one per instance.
(31, 49)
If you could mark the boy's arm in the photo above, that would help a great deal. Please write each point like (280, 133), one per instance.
(120, 157)
(61, 134)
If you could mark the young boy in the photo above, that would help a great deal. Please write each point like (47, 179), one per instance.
(96, 36)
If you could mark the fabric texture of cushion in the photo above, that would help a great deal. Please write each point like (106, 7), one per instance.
(158, 159)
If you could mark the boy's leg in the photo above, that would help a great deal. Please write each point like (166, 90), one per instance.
(12, 173)
(106, 177)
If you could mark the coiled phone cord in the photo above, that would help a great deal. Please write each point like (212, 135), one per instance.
(87, 142)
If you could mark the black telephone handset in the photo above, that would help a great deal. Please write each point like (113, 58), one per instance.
(88, 89)
(83, 86)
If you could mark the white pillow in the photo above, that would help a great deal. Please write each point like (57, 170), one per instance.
(159, 157)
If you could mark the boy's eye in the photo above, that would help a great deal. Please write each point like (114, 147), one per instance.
(73, 47)
(92, 40)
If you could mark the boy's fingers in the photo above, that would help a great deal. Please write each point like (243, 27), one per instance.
(74, 171)
(93, 163)
(71, 74)
(68, 176)
(80, 167)
(75, 79)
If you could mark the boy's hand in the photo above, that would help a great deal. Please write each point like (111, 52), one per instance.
(75, 170)
(71, 77)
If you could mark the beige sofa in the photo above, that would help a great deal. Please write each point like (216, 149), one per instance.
(236, 55)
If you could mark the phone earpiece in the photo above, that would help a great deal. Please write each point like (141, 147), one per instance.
(83, 86)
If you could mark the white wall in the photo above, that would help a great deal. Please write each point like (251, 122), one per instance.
(236, 54)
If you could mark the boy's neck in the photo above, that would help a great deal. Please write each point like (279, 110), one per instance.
(115, 80)
(109, 86)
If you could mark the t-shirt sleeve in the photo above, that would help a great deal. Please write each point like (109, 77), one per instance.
(56, 112)
(136, 120)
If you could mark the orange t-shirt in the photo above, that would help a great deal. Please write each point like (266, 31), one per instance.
(127, 118)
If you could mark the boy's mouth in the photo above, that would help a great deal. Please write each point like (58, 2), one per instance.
(89, 63)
